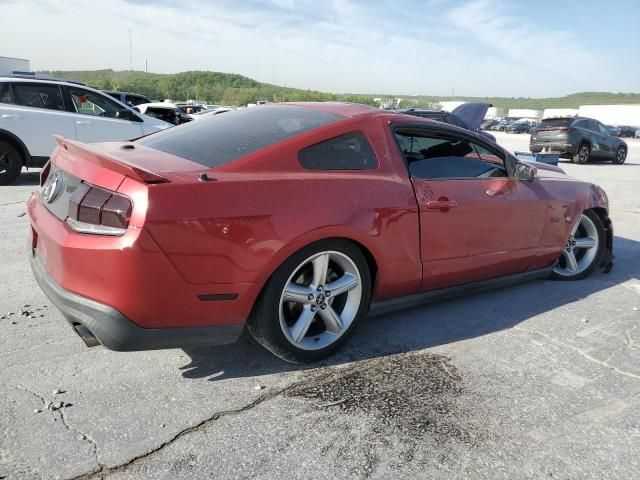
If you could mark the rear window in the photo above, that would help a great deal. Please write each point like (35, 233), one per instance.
(221, 139)
(555, 122)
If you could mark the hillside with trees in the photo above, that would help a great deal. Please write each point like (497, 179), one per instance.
(233, 89)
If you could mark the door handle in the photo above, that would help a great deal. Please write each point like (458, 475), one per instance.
(441, 204)
(6, 115)
(83, 122)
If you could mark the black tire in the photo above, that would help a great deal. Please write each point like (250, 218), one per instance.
(621, 156)
(10, 163)
(597, 260)
(264, 321)
(583, 154)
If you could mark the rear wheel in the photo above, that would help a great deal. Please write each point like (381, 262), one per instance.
(312, 303)
(584, 249)
(583, 154)
(621, 156)
(10, 163)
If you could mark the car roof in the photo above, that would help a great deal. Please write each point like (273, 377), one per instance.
(158, 105)
(8, 78)
(339, 108)
(124, 93)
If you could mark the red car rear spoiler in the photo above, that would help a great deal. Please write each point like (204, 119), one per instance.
(110, 161)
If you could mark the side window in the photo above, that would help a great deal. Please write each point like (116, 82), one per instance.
(580, 124)
(91, 103)
(434, 156)
(591, 125)
(133, 100)
(5, 93)
(38, 95)
(351, 151)
(602, 129)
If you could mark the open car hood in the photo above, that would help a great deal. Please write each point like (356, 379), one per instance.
(472, 113)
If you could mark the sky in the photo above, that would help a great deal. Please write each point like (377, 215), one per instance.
(408, 47)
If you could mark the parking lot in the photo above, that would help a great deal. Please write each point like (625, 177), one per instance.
(539, 380)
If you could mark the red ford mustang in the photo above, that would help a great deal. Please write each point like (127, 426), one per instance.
(295, 220)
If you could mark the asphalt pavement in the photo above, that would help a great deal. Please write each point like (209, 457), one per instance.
(539, 380)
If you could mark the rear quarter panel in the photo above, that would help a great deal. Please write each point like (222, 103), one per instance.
(258, 211)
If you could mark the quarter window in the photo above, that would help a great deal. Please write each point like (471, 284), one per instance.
(5, 93)
(38, 96)
(434, 156)
(90, 103)
(351, 151)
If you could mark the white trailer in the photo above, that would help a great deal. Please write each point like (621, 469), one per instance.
(10, 65)
(612, 114)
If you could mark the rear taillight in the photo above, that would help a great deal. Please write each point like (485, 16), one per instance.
(98, 211)
(44, 173)
(564, 130)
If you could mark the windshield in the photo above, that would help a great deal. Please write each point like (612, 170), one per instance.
(220, 139)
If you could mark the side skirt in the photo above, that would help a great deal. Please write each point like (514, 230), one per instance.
(393, 304)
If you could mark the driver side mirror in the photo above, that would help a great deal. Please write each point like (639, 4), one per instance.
(524, 172)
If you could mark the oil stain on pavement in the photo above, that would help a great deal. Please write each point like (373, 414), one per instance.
(412, 399)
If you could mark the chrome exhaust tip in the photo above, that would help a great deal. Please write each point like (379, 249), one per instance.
(87, 337)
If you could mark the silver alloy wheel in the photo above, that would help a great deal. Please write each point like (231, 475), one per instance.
(621, 155)
(583, 155)
(581, 248)
(320, 300)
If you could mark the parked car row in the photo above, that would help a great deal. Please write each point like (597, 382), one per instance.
(622, 131)
(33, 110)
(468, 116)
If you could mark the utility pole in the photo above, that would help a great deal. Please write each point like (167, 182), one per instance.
(130, 50)
(146, 65)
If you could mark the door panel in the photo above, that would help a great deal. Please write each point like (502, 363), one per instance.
(476, 222)
(36, 127)
(475, 229)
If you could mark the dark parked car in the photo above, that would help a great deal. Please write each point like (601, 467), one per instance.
(487, 124)
(578, 138)
(468, 116)
(520, 126)
(624, 131)
(502, 125)
(131, 99)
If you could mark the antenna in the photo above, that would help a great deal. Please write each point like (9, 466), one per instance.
(130, 50)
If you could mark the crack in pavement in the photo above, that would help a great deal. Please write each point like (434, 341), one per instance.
(12, 203)
(105, 471)
(628, 343)
(60, 411)
(602, 363)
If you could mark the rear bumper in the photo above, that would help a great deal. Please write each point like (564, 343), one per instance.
(115, 331)
(557, 147)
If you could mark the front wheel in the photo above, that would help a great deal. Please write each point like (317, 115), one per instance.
(584, 249)
(621, 156)
(311, 304)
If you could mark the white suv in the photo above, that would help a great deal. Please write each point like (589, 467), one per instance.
(33, 110)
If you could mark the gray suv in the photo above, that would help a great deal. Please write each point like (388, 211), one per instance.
(578, 138)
